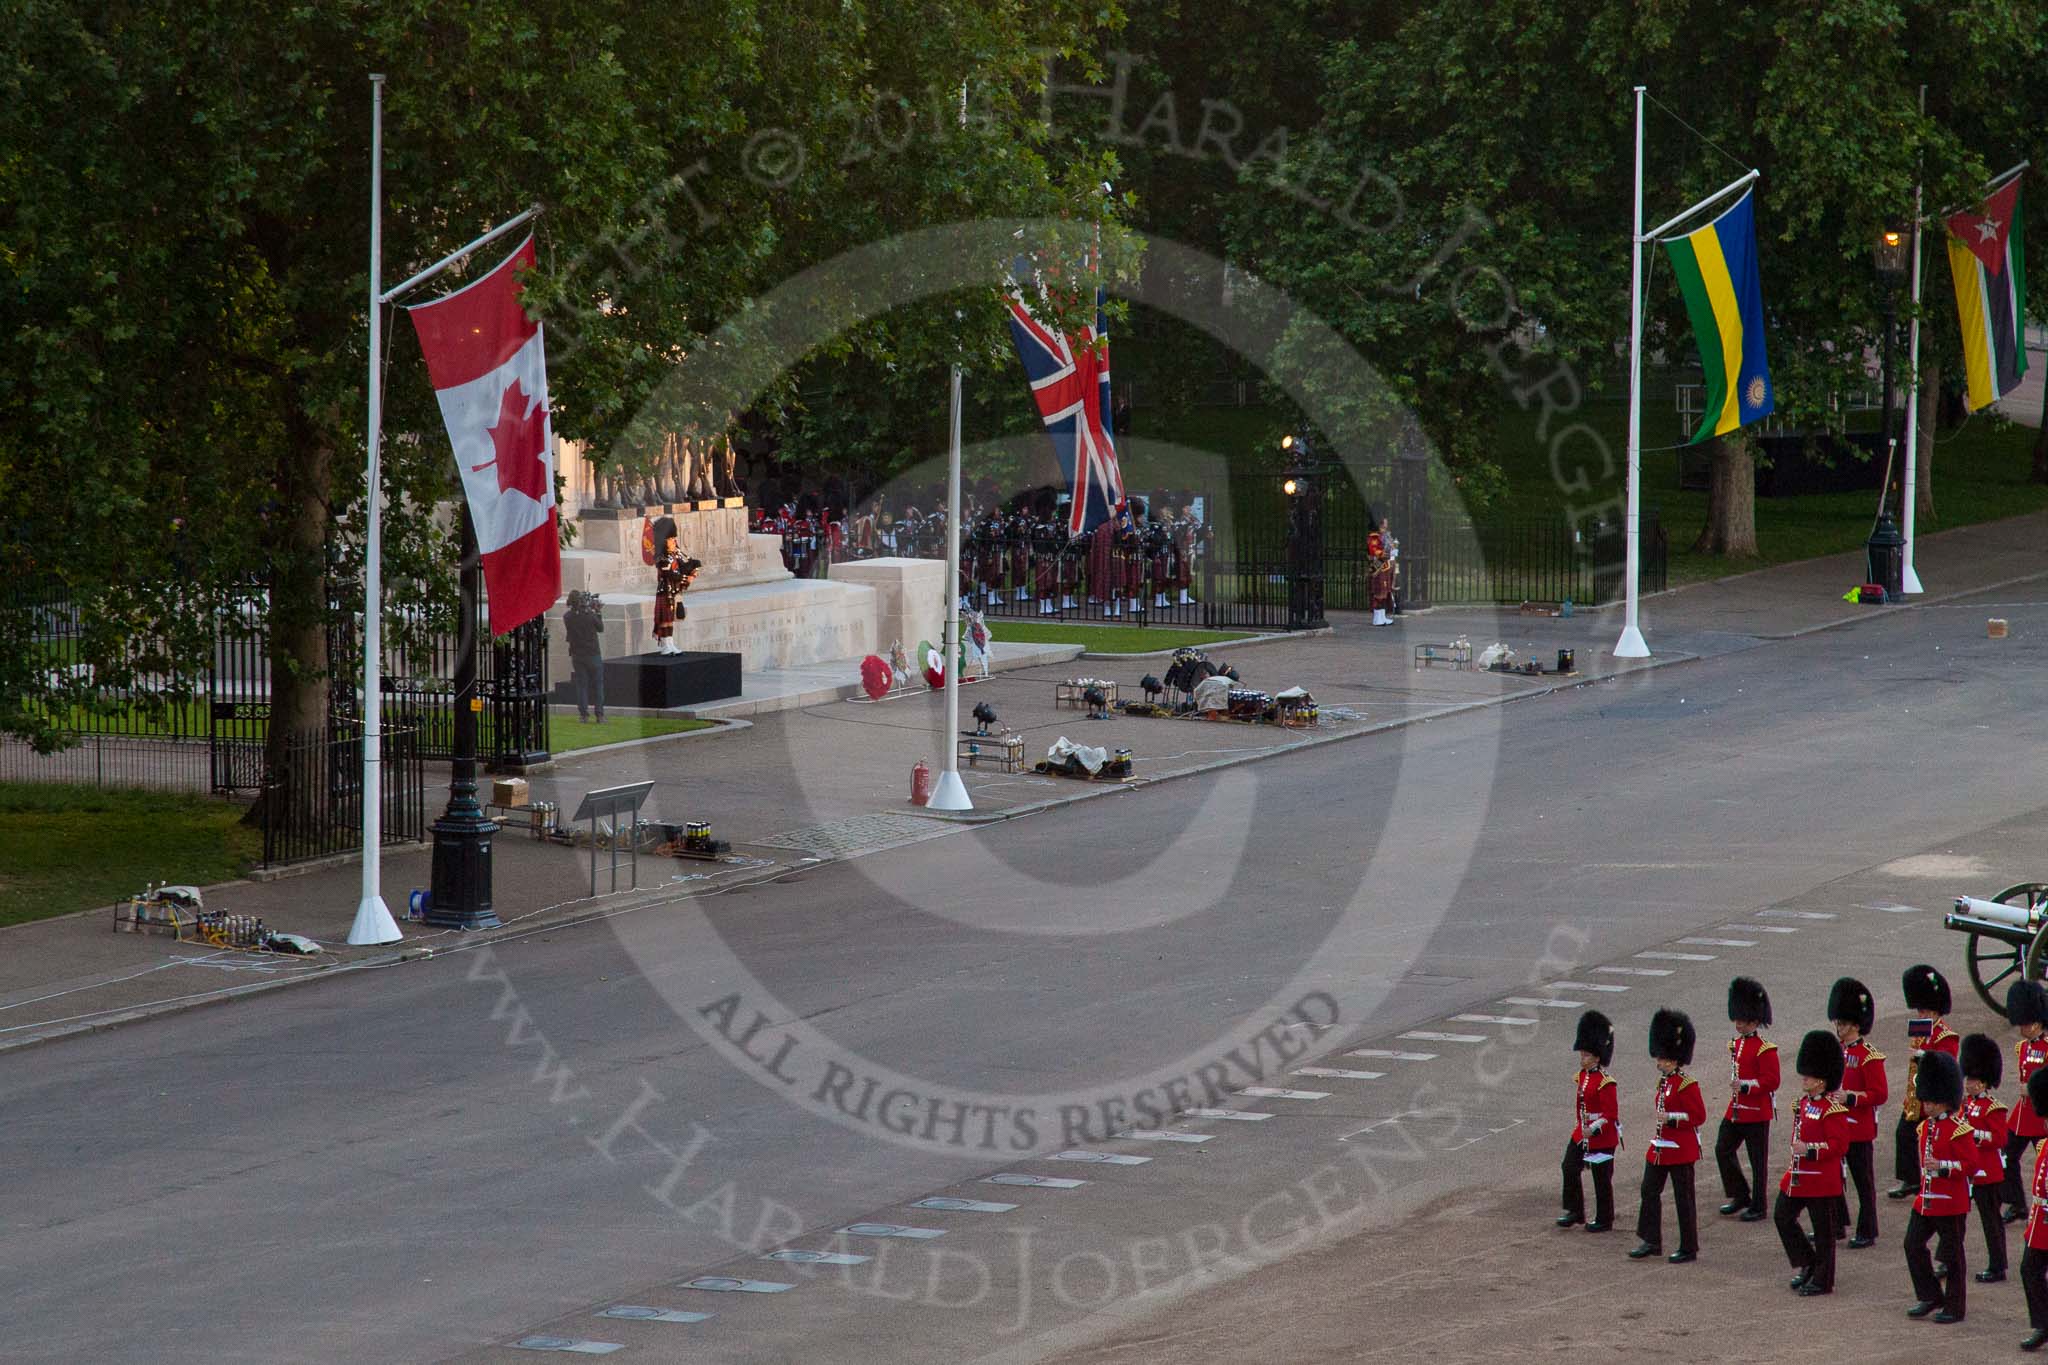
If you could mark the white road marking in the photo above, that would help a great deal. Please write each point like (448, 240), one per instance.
(1677, 957)
(1529, 1002)
(568, 1345)
(1489, 1019)
(1392, 1056)
(1585, 986)
(1336, 1073)
(1798, 914)
(1245, 1115)
(1761, 928)
(1636, 971)
(1721, 942)
(1427, 1036)
(1890, 909)
(1267, 1092)
(1378, 1124)
(1160, 1135)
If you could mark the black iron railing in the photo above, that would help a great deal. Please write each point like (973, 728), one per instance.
(313, 793)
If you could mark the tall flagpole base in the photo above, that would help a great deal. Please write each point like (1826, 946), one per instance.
(373, 923)
(1631, 644)
(951, 793)
(1910, 584)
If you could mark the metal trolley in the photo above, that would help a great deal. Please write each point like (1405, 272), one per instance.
(2008, 937)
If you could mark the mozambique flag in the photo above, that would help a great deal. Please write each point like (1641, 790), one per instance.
(1991, 288)
(1717, 273)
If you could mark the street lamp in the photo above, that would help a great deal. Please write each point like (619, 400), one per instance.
(1304, 534)
(1890, 254)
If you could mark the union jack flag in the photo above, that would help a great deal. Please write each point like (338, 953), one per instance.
(1070, 382)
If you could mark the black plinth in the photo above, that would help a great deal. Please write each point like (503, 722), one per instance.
(461, 890)
(658, 681)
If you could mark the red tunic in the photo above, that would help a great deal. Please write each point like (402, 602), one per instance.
(1102, 575)
(1598, 1117)
(1863, 1089)
(1380, 585)
(2037, 1201)
(1943, 1039)
(1753, 1068)
(1947, 1154)
(1820, 1139)
(2033, 1055)
(1679, 1111)
(1987, 1119)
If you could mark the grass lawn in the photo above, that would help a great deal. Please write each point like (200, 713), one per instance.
(566, 733)
(1979, 473)
(1110, 639)
(65, 848)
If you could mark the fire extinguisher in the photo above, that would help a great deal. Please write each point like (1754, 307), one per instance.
(920, 783)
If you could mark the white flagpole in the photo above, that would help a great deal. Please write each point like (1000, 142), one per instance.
(1631, 645)
(1910, 580)
(951, 793)
(373, 922)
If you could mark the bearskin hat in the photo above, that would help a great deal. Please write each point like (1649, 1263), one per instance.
(1820, 1056)
(1940, 1080)
(664, 532)
(1982, 1060)
(1596, 1035)
(1672, 1037)
(2026, 1002)
(1849, 1002)
(2037, 1090)
(1749, 1002)
(1926, 989)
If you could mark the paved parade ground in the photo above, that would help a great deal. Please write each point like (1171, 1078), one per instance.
(444, 1156)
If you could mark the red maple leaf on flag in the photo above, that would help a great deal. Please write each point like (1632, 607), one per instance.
(521, 440)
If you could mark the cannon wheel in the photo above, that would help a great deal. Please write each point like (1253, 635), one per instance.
(1994, 962)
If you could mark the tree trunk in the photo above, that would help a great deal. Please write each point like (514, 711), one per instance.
(299, 663)
(1731, 500)
(1923, 456)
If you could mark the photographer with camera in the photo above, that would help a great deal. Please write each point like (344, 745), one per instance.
(583, 623)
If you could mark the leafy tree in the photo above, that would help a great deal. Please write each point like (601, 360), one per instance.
(1458, 207)
(183, 404)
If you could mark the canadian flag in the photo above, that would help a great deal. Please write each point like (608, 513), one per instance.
(489, 369)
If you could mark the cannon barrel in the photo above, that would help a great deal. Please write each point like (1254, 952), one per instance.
(1994, 912)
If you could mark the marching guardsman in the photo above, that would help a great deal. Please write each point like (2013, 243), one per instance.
(1852, 1011)
(1752, 1096)
(1677, 1113)
(2026, 1009)
(1927, 999)
(1596, 1133)
(1983, 1067)
(2034, 1260)
(1812, 1183)
(1946, 1152)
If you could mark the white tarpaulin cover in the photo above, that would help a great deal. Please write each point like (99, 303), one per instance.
(1087, 755)
(1213, 694)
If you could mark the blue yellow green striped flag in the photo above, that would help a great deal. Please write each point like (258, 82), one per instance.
(1717, 273)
